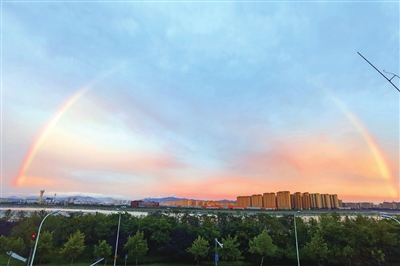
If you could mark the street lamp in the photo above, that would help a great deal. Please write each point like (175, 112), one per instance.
(389, 217)
(116, 243)
(38, 234)
(216, 254)
(297, 244)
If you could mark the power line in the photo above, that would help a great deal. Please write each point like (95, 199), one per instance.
(390, 80)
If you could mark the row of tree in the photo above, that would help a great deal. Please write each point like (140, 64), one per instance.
(329, 239)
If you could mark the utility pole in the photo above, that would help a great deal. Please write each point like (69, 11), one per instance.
(116, 243)
(216, 253)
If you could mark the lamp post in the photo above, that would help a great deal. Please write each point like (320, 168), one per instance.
(297, 244)
(389, 217)
(116, 243)
(216, 254)
(38, 234)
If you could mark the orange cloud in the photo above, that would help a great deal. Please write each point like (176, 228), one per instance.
(315, 164)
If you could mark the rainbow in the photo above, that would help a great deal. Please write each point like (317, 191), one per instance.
(373, 146)
(46, 129)
(44, 133)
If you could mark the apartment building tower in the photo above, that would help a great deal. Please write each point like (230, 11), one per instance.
(244, 201)
(269, 200)
(326, 201)
(256, 200)
(283, 200)
(316, 201)
(297, 201)
(306, 201)
(334, 201)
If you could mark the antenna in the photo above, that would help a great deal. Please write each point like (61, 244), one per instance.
(390, 80)
(394, 75)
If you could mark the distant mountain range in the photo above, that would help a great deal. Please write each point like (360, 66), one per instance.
(61, 198)
(102, 199)
(173, 198)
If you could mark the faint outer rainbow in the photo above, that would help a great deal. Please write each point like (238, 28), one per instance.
(376, 151)
(44, 133)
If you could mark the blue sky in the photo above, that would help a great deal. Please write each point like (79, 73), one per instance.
(203, 100)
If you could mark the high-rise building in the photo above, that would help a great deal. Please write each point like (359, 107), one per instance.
(256, 200)
(198, 203)
(170, 202)
(334, 201)
(283, 200)
(219, 203)
(326, 201)
(366, 205)
(292, 200)
(316, 201)
(297, 201)
(244, 201)
(184, 202)
(306, 201)
(352, 205)
(269, 200)
(388, 205)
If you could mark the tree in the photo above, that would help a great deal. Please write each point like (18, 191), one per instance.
(378, 255)
(136, 246)
(348, 253)
(208, 228)
(262, 245)
(45, 245)
(21, 216)
(332, 230)
(4, 244)
(11, 244)
(317, 249)
(102, 250)
(156, 229)
(199, 248)
(230, 250)
(74, 246)
(8, 214)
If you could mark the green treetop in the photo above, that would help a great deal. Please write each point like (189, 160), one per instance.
(199, 248)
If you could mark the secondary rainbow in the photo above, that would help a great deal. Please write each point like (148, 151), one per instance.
(376, 151)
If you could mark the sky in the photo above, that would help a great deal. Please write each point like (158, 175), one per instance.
(202, 100)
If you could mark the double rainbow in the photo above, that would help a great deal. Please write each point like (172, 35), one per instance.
(382, 163)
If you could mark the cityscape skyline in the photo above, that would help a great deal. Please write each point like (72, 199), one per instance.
(200, 100)
(281, 200)
(313, 200)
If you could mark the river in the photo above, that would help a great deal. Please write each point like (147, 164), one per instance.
(66, 210)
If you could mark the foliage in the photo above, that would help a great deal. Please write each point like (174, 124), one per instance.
(136, 246)
(44, 246)
(11, 244)
(331, 239)
(102, 250)
(317, 249)
(159, 228)
(8, 214)
(199, 248)
(4, 244)
(230, 251)
(262, 245)
(74, 246)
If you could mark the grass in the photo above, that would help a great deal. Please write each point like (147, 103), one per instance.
(13, 262)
